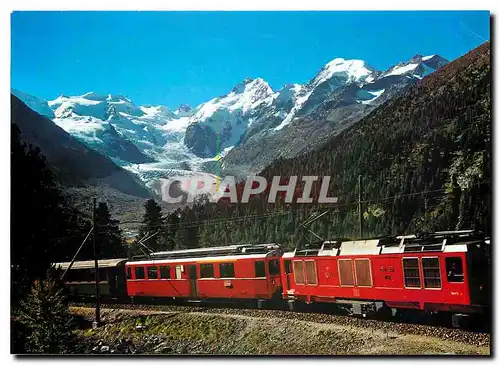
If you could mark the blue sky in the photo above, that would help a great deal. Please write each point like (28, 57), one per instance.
(189, 57)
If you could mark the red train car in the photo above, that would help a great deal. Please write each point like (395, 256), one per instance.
(443, 271)
(230, 272)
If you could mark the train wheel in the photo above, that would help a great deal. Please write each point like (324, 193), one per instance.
(459, 320)
(384, 313)
(261, 303)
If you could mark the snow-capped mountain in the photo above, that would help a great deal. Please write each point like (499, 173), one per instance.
(155, 141)
(340, 94)
(130, 134)
(219, 123)
(147, 140)
(418, 67)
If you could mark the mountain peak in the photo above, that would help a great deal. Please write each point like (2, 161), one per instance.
(93, 96)
(418, 66)
(117, 98)
(183, 110)
(249, 83)
(184, 107)
(350, 70)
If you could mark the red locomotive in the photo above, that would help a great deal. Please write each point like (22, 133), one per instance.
(443, 271)
(438, 272)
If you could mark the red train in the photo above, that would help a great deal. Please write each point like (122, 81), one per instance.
(438, 272)
(231, 272)
(445, 271)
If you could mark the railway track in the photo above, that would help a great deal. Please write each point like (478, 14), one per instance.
(476, 337)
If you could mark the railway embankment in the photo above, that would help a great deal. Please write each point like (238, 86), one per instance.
(245, 332)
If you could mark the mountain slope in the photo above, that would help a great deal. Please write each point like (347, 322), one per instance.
(38, 105)
(342, 93)
(424, 158)
(435, 138)
(72, 161)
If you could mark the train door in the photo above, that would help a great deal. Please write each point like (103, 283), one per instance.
(193, 285)
(288, 273)
(478, 275)
(111, 277)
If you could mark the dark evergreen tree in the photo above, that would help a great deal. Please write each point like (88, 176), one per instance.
(152, 223)
(172, 225)
(42, 224)
(109, 240)
(47, 319)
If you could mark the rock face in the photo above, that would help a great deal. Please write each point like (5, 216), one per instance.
(202, 140)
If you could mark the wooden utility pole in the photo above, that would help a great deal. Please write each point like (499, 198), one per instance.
(96, 266)
(360, 207)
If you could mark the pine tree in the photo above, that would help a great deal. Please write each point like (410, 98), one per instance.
(172, 225)
(152, 223)
(109, 238)
(46, 317)
(43, 226)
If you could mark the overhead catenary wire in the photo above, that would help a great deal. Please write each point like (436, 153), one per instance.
(77, 252)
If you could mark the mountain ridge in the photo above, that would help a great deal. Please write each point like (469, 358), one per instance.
(152, 140)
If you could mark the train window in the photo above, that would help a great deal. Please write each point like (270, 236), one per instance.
(411, 272)
(346, 274)
(71, 276)
(363, 272)
(311, 277)
(226, 270)
(81, 275)
(454, 270)
(102, 274)
(152, 272)
(139, 272)
(178, 272)
(260, 269)
(165, 272)
(206, 271)
(129, 273)
(299, 272)
(432, 272)
(288, 267)
(274, 267)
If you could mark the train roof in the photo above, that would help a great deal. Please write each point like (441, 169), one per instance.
(205, 259)
(231, 250)
(90, 264)
(442, 241)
